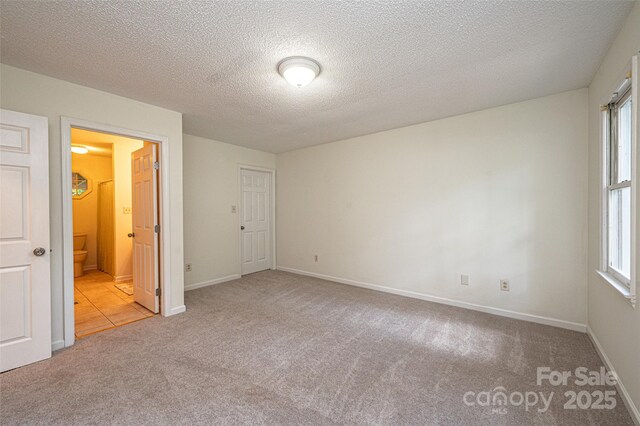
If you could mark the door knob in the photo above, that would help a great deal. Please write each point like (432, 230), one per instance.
(39, 251)
(131, 234)
(242, 228)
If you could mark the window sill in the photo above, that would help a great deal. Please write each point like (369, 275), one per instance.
(619, 287)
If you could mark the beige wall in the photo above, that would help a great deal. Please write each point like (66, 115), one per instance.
(123, 245)
(612, 320)
(32, 93)
(85, 210)
(499, 193)
(212, 243)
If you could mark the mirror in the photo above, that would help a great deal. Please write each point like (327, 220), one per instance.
(80, 185)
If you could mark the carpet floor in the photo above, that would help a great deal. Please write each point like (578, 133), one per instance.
(277, 348)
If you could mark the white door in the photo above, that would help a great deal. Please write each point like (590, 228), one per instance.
(25, 284)
(145, 231)
(255, 218)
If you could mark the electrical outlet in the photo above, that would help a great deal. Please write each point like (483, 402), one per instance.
(464, 279)
(187, 267)
(233, 209)
(126, 210)
(315, 258)
(504, 285)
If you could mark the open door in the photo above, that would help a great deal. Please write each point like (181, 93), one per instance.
(25, 281)
(144, 180)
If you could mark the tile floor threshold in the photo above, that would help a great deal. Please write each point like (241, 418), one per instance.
(101, 306)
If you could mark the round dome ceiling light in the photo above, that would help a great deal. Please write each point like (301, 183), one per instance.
(299, 71)
(77, 149)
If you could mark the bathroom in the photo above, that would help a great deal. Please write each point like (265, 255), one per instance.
(102, 231)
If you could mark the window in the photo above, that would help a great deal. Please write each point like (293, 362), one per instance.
(619, 128)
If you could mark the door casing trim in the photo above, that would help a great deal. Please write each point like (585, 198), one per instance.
(66, 123)
(272, 211)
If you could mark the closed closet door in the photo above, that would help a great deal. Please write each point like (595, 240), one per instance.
(255, 221)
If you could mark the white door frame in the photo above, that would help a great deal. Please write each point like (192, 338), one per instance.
(66, 124)
(272, 212)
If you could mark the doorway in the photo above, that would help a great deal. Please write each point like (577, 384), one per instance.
(256, 219)
(115, 245)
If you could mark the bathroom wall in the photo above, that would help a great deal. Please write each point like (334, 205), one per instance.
(98, 169)
(85, 210)
(122, 149)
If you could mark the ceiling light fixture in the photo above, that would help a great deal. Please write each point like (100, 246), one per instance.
(298, 70)
(77, 149)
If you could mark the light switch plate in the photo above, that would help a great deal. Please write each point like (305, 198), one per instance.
(464, 279)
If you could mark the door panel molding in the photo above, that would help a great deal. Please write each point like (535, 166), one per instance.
(144, 221)
(255, 226)
(25, 265)
(272, 211)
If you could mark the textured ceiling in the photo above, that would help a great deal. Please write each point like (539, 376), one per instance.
(384, 64)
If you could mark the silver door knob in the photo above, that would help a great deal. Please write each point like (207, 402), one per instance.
(39, 251)
(242, 228)
(131, 235)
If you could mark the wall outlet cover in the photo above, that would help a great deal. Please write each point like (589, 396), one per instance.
(504, 285)
(464, 279)
(187, 267)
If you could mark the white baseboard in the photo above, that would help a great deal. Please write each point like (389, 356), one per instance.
(211, 282)
(175, 311)
(481, 308)
(633, 410)
(90, 268)
(122, 278)
(57, 345)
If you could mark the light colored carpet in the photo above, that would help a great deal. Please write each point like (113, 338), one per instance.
(277, 348)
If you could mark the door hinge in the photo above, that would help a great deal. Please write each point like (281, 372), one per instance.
(156, 229)
(158, 291)
(156, 165)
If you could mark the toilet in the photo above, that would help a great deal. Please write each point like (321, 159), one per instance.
(79, 254)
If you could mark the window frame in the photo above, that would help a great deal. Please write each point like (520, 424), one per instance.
(613, 182)
(627, 88)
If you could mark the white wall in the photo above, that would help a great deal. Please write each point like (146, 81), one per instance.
(85, 210)
(612, 320)
(212, 243)
(499, 193)
(32, 93)
(123, 245)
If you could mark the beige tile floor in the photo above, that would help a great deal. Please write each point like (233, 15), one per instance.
(100, 305)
